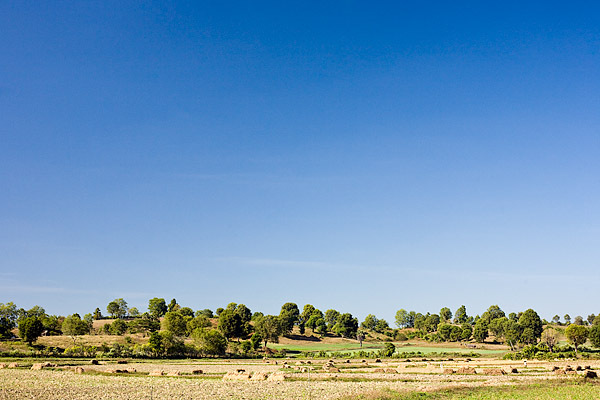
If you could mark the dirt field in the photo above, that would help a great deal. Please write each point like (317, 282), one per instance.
(299, 379)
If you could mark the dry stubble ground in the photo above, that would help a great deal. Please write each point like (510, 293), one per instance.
(352, 381)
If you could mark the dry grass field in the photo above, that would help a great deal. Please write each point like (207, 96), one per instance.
(296, 379)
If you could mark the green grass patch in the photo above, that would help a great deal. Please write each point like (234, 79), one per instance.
(567, 390)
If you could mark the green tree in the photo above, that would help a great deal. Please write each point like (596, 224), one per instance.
(8, 319)
(445, 314)
(331, 317)
(230, 324)
(269, 328)
(576, 335)
(590, 319)
(288, 316)
(382, 326)
(117, 308)
(206, 312)
(30, 328)
(155, 344)
(198, 322)
(432, 322)
(556, 319)
(307, 312)
(466, 331)
(578, 320)
(175, 323)
(492, 313)
(496, 327)
(402, 319)
(480, 332)
(157, 307)
(460, 316)
(388, 349)
(530, 319)
(512, 333)
(595, 335)
(173, 306)
(346, 326)
(444, 331)
(97, 314)
(370, 322)
(567, 319)
(134, 312)
(74, 326)
(210, 341)
(255, 340)
(186, 312)
(118, 327)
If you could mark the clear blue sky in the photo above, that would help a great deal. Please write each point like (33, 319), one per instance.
(358, 156)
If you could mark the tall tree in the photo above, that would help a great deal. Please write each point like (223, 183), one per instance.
(331, 317)
(445, 314)
(74, 326)
(157, 307)
(346, 326)
(531, 319)
(403, 319)
(460, 316)
(576, 335)
(230, 324)
(30, 328)
(269, 328)
(288, 316)
(117, 308)
(8, 319)
(370, 322)
(174, 323)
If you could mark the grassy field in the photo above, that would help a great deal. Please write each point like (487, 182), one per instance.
(545, 391)
(400, 347)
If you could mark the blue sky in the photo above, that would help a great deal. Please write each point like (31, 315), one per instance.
(358, 156)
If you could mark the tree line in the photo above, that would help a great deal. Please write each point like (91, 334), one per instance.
(237, 327)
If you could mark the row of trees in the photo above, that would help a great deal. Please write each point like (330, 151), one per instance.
(237, 322)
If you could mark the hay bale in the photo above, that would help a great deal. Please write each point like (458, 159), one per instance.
(95, 362)
(39, 366)
(390, 371)
(156, 373)
(494, 371)
(174, 373)
(197, 372)
(559, 372)
(276, 377)
(579, 368)
(2, 365)
(514, 371)
(79, 370)
(259, 376)
(590, 374)
(240, 371)
(378, 360)
(333, 369)
(449, 371)
(466, 370)
(236, 376)
(13, 365)
(379, 371)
